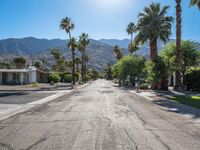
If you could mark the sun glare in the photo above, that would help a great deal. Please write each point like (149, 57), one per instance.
(110, 5)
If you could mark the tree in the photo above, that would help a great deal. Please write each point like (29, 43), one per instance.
(95, 74)
(133, 47)
(67, 25)
(129, 68)
(118, 53)
(131, 28)
(38, 65)
(77, 62)
(153, 24)
(83, 43)
(20, 62)
(178, 84)
(60, 60)
(108, 72)
(189, 59)
(195, 3)
(87, 60)
(72, 44)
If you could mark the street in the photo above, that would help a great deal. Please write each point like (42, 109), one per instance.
(100, 116)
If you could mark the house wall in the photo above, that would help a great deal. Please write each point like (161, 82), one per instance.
(42, 77)
(0, 77)
(32, 76)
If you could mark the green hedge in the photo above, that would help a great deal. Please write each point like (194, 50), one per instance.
(192, 81)
(54, 77)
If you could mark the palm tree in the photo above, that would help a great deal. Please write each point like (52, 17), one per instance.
(87, 60)
(83, 43)
(72, 44)
(178, 45)
(195, 3)
(67, 25)
(153, 24)
(132, 48)
(118, 53)
(77, 62)
(131, 28)
(20, 62)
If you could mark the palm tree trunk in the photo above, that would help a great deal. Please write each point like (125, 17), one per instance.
(82, 66)
(153, 49)
(73, 68)
(178, 84)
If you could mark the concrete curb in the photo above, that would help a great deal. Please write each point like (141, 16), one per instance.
(28, 106)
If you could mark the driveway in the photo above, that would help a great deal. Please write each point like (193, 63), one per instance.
(100, 117)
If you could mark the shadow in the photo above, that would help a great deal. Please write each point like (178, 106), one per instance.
(12, 94)
(178, 108)
(162, 98)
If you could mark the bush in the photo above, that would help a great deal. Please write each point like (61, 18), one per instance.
(77, 75)
(144, 86)
(54, 77)
(192, 81)
(67, 78)
(86, 79)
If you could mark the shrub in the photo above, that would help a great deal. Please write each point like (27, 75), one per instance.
(192, 81)
(86, 79)
(54, 77)
(144, 86)
(67, 78)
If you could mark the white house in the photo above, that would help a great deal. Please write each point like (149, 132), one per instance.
(18, 76)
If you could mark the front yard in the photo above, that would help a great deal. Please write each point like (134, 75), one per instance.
(193, 101)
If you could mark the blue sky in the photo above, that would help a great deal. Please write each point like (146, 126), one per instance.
(98, 18)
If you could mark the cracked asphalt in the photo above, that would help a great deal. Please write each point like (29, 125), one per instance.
(100, 116)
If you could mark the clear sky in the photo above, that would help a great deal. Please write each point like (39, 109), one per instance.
(98, 18)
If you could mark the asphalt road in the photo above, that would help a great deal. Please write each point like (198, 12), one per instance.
(99, 117)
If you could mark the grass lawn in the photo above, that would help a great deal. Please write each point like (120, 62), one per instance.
(193, 101)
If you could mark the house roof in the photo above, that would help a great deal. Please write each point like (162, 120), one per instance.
(17, 70)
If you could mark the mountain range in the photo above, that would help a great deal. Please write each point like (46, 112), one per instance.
(100, 51)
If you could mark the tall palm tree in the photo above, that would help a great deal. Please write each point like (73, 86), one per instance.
(118, 53)
(195, 3)
(77, 62)
(153, 24)
(178, 45)
(87, 60)
(131, 28)
(67, 25)
(83, 43)
(72, 44)
(133, 47)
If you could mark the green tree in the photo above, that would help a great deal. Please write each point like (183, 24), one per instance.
(117, 51)
(72, 44)
(67, 25)
(83, 43)
(195, 3)
(133, 47)
(108, 72)
(77, 62)
(153, 24)
(60, 60)
(189, 59)
(131, 28)
(38, 65)
(20, 62)
(129, 68)
(95, 74)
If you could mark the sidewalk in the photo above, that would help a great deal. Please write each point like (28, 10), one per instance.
(162, 98)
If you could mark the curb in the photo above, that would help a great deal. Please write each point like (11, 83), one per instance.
(28, 106)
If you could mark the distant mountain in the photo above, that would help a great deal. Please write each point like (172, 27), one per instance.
(27, 46)
(112, 42)
(100, 51)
